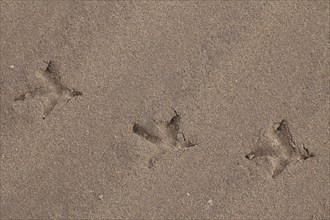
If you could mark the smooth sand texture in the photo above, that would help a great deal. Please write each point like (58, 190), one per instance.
(231, 69)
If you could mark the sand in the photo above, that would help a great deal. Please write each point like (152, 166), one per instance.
(230, 71)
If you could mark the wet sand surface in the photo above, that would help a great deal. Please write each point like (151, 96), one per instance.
(165, 110)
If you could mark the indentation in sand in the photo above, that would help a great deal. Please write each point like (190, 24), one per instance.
(277, 144)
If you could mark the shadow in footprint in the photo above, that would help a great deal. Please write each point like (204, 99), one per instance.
(52, 90)
(172, 133)
(143, 132)
(279, 146)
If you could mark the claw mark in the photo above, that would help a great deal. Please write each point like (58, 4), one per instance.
(305, 154)
(187, 143)
(281, 148)
(52, 90)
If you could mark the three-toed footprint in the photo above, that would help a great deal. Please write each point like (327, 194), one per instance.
(277, 144)
(51, 92)
(169, 133)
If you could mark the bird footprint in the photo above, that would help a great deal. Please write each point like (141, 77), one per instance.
(52, 90)
(169, 133)
(277, 144)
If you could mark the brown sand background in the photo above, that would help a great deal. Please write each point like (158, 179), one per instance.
(230, 68)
